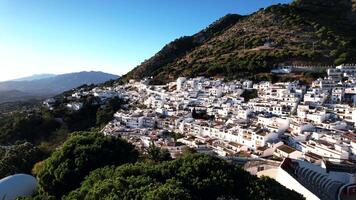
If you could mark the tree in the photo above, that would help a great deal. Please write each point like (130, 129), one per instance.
(195, 176)
(249, 94)
(80, 154)
(19, 158)
(30, 127)
(342, 59)
(37, 167)
(194, 113)
(156, 154)
(106, 112)
(172, 190)
(188, 150)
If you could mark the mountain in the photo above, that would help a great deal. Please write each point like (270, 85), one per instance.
(39, 88)
(305, 32)
(35, 77)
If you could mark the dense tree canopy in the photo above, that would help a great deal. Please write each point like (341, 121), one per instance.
(25, 127)
(44, 125)
(195, 176)
(18, 159)
(249, 94)
(47, 129)
(80, 154)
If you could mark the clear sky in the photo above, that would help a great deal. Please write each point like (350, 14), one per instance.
(61, 36)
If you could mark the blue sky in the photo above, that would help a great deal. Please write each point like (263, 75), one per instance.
(61, 36)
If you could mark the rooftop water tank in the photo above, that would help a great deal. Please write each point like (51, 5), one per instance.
(17, 185)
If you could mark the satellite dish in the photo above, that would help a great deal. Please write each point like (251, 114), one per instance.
(18, 185)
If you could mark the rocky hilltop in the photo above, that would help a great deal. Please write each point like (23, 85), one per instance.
(322, 3)
(305, 32)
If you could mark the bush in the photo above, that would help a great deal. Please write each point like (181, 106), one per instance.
(18, 158)
(80, 154)
(195, 176)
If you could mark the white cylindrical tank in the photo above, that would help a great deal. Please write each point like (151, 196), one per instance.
(18, 185)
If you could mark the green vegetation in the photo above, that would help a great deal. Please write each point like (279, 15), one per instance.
(194, 176)
(174, 135)
(90, 165)
(30, 127)
(314, 74)
(157, 154)
(53, 126)
(305, 32)
(201, 114)
(106, 112)
(80, 154)
(249, 94)
(18, 158)
(180, 47)
(18, 106)
(44, 130)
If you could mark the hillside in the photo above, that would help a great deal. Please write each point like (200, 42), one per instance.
(30, 88)
(15, 95)
(303, 32)
(180, 47)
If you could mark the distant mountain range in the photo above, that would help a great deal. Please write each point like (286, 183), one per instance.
(45, 85)
(304, 32)
(35, 77)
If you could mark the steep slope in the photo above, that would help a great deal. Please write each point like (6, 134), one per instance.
(303, 32)
(180, 47)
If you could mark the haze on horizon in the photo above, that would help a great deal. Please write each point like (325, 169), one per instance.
(63, 36)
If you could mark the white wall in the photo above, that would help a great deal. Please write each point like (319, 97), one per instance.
(288, 181)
